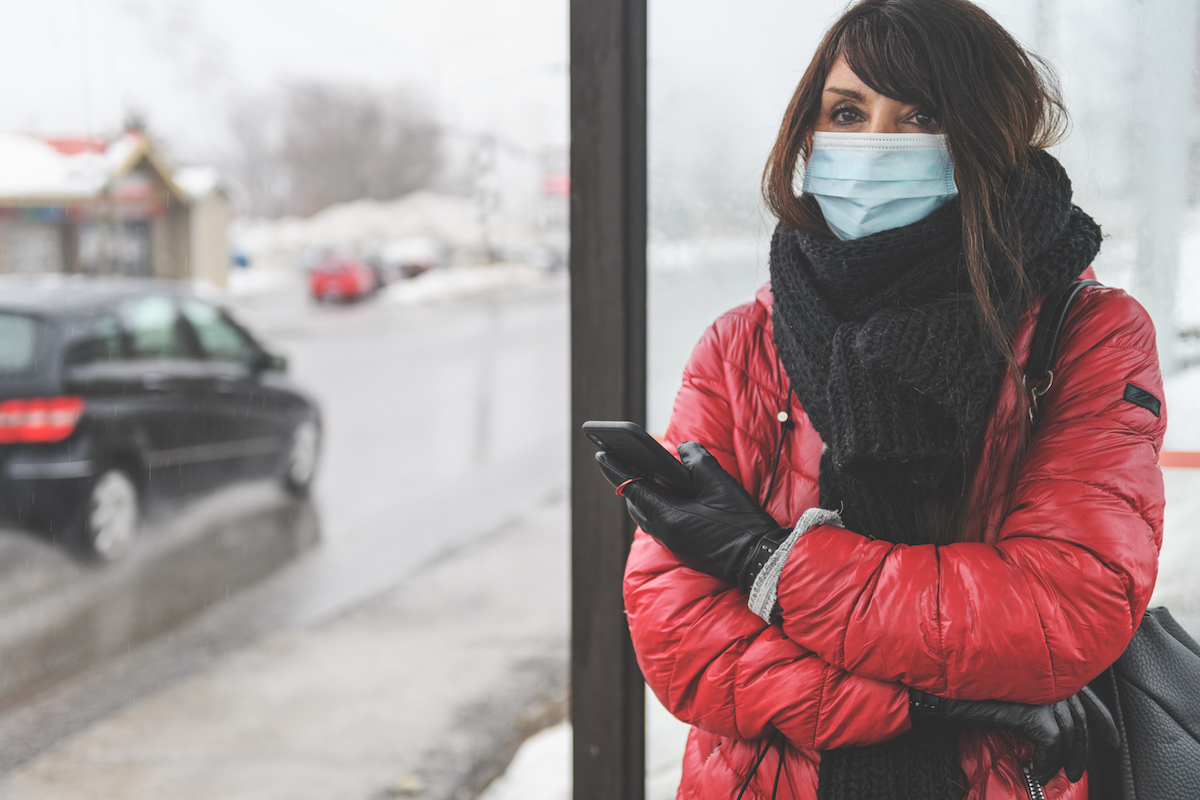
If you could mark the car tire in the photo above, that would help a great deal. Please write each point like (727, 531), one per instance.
(110, 520)
(304, 450)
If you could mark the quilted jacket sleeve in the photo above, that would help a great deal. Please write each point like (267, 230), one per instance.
(1036, 615)
(712, 662)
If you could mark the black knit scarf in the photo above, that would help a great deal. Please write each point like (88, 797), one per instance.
(886, 351)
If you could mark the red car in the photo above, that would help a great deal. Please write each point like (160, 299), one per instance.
(342, 279)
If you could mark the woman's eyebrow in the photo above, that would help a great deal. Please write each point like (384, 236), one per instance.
(853, 95)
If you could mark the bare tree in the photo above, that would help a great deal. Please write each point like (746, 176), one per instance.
(325, 144)
(258, 174)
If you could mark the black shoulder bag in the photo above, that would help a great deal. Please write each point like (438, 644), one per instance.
(1153, 689)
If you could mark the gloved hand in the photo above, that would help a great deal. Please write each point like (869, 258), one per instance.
(721, 531)
(1059, 732)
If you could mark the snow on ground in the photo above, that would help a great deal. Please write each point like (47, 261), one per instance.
(1182, 392)
(1178, 588)
(1187, 303)
(442, 284)
(665, 740)
(369, 226)
(456, 283)
(541, 770)
(244, 282)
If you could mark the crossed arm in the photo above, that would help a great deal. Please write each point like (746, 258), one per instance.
(1030, 618)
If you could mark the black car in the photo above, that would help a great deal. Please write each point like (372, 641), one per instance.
(117, 395)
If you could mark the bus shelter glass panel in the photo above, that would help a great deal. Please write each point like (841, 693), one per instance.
(720, 78)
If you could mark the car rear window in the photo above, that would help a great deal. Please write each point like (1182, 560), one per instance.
(18, 344)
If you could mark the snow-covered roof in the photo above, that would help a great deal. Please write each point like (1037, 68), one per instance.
(35, 169)
(30, 167)
(198, 182)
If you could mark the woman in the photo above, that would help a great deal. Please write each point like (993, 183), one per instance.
(945, 550)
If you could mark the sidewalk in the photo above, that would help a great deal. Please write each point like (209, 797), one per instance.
(425, 692)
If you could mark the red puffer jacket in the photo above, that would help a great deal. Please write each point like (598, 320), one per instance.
(1045, 594)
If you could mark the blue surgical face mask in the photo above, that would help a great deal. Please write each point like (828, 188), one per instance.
(871, 182)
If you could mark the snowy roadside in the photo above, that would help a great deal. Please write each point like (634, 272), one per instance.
(372, 227)
(1178, 587)
(461, 282)
(436, 285)
(541, 769)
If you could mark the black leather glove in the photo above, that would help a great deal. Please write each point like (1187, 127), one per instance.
(1059, 732)
(721, 531)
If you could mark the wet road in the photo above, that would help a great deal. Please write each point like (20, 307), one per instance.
(442, 423)
(429, 411)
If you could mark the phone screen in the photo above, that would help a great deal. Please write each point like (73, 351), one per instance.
(641, 454)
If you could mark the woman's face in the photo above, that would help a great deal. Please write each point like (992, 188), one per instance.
(850, 106)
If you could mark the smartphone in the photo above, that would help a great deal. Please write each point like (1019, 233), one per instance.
(642, 454)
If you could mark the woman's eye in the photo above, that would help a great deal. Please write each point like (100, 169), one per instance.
(845, 115)
(922, 120)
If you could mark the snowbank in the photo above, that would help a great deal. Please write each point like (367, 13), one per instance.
(246, 282)
(1187, 302)
(1176, 587)
(541, 770)
(456, 283)
(370, 226)
(445, 284)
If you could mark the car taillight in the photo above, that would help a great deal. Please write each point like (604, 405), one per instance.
(39, 419)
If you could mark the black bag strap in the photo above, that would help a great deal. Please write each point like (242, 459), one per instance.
(1039, 376)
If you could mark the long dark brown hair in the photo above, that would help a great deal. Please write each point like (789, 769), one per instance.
(997, 104)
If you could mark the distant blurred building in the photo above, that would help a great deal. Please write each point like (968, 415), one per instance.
(554, 198)
(108, 207)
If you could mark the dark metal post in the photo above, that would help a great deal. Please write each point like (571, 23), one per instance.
(608, 381)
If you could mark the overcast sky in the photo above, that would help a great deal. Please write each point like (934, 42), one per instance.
(75, 66)
(721, 70)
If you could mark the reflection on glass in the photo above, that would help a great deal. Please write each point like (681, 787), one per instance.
(720, 80)
(719, 83)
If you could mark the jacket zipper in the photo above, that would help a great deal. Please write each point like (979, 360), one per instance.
(1035, 788)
